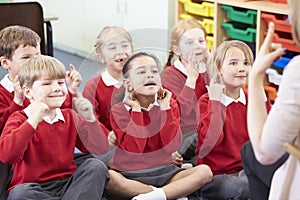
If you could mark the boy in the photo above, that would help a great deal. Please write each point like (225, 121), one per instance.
(39, 141)
(17, 45)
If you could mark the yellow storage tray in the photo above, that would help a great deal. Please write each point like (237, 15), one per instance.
(209, 41)
(204, 9)
(207, 23)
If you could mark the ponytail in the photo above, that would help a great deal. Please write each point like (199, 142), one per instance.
(168, 63)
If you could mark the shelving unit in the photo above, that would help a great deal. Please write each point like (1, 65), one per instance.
(257, 27)
(220, 16)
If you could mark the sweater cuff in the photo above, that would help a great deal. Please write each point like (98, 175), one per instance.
(187, 91)
(28, 130)
(15, 107)
(137, 117)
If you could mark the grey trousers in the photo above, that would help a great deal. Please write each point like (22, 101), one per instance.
(227, 186)
(87, 182)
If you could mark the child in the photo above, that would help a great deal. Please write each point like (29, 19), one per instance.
(147, 127)
(186, 79)
(39, 141)
(17, 45)
(223, 127)
(113, 47)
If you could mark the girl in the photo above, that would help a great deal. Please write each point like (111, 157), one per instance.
(147, 127)
(223, 127)
(113, 47)
(186, 79)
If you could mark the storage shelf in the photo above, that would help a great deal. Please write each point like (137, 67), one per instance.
(255, 34)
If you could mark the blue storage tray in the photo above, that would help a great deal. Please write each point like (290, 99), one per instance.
(282, 62)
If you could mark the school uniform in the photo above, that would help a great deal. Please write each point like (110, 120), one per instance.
(7, 104)
(42, 158)
(146, 141)
(102, 91)
(174, 78)
(222, 133)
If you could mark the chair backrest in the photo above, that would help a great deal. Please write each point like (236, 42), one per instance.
(28, 14)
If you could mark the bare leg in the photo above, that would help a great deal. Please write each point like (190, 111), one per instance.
(122, 187)
(187, 181)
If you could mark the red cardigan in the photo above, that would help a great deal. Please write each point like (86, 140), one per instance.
(46, 153)
(221, 134)
(146, 139)
(102, 98)
(174, 80)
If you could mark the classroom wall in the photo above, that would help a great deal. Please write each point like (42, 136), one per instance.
(79, 22)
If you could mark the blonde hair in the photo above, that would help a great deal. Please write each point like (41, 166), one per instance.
(38, 66)
(12, 37)
(178, 30)
(109, 32)
(294, 8)
(221, 51)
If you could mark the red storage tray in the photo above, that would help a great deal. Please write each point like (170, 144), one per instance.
(280, 1)
(287, 43)
(279, 21)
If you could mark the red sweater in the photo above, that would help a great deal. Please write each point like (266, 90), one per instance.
(8, 106)
(222, 132)
(174, 80)
(46, 153)
(146, 139)
(102, 98)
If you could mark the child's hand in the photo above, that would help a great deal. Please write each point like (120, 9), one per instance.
(38, 110)
(18, 93)
(131, 101)
(215, 88)
(73, 79)
(177, 159)
(164, 97)
(112, 139)
(83, 106)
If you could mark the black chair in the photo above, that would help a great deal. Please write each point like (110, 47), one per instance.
(28, 14)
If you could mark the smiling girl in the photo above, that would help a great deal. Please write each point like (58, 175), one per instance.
(223, 125)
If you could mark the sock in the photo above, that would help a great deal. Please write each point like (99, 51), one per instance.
(156, 194)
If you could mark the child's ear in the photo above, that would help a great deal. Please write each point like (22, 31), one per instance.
(27, 93)
(176, 50)
(127, 85)
(101, 58)
(4, 62)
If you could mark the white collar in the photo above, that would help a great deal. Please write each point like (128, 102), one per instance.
(226, 100)
(149, 107)
(109, 80)
(7, 84)
(178, 65)
(59, 115)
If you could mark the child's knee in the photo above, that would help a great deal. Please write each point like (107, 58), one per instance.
(96, 167)
(22, 191)
(205, 172)
(116, 180)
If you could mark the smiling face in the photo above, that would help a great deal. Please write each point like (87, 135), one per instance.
(115, 52)
(192, 44)
(143, 76)
(19, 57)
(52, 92)
(235, 68)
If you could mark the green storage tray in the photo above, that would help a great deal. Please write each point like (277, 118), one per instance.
(239, 31)
(240, 15)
